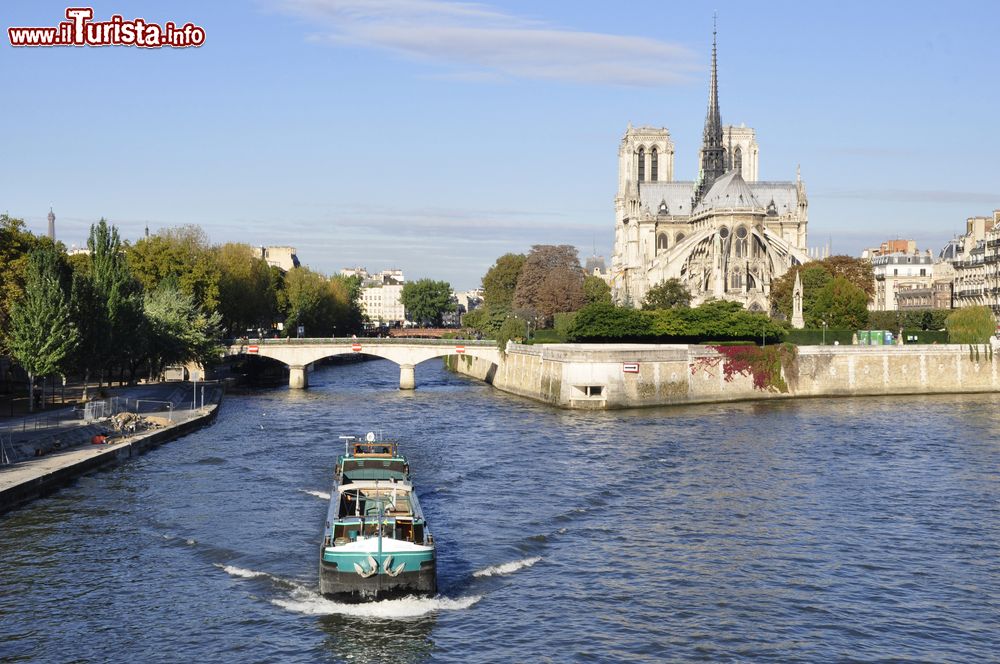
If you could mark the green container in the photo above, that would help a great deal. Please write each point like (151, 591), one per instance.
(864, 338)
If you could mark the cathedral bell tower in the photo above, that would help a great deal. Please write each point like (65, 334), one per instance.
(713, 153)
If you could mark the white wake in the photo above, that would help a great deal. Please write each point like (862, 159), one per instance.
(507, 568)
(240, 572)
(311, 603)
(306, 601)
(319, 494)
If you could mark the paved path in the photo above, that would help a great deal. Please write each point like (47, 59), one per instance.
(75, 454)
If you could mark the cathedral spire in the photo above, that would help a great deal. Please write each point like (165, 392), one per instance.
(713, 153)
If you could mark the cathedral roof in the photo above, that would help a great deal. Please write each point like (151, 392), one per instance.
(729, 191)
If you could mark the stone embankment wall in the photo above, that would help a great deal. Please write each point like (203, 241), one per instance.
(601, 376)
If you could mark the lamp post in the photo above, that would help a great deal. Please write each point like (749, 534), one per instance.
(823, 322)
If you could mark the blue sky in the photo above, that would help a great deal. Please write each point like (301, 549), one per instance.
(434, 136)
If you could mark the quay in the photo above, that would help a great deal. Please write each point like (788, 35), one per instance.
(609, 376)
(66, 442)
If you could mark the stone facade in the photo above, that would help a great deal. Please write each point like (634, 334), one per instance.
(895, 272)
(977, 264)
(726, 235)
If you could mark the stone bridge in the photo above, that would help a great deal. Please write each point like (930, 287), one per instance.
(298, 354)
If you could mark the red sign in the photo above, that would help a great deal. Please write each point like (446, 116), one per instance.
(252, 349)
(356, 348)
(630, 367)
(459, 349)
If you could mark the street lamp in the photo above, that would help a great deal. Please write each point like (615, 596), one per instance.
(823, 322)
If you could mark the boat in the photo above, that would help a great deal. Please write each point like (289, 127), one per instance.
(376, 543)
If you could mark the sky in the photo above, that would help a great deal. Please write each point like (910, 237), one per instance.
(434, 136)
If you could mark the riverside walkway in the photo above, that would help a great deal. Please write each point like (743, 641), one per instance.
(298, 354)
(62, 440)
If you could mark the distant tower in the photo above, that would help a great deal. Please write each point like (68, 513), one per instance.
(52, 225)
(797, 320)
(713, 152)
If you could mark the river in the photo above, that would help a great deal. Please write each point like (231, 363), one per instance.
(813, 530)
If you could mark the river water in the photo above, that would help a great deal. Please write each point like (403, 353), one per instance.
(811, 530)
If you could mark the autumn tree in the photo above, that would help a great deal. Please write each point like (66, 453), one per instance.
(551, 281)
(16, 243)
(184, 254)
(667, 294)
(246, 293)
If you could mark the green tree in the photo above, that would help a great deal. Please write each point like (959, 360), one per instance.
(323, 306)
(596, 290)
(841, 304)
(426, 300)
(120, 296)
(500, 281)
(597, 323)
(814, 276)
(971, 325)
(42, 334)
(90, 317)
(180, 331)
(667, 295)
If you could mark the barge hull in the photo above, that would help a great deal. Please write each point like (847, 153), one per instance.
(341, 584)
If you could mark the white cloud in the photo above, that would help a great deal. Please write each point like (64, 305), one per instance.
(475, 42)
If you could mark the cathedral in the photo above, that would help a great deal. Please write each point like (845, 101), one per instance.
(727, 235)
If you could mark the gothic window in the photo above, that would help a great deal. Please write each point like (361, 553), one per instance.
(738, 158)
(653, 164)
(680, 236)
(723, 232)
(661, 242)
(642, 164)
(740, 248)
(663, 208)
(736, 280)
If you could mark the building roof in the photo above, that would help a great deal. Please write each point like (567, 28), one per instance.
(677, 195)
(729, 191)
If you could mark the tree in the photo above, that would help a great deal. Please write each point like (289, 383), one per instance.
(119, 295)
(858, 271)
(246, 293)
(426, 300)
(596, 290)
(500, 281)
(179, 330)
(16, 243)
(598, 323)
(841, 304)
(551, 281)
(814, 276)
(42, 333)
(971, 325)
(667, 295)
(183, 253)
